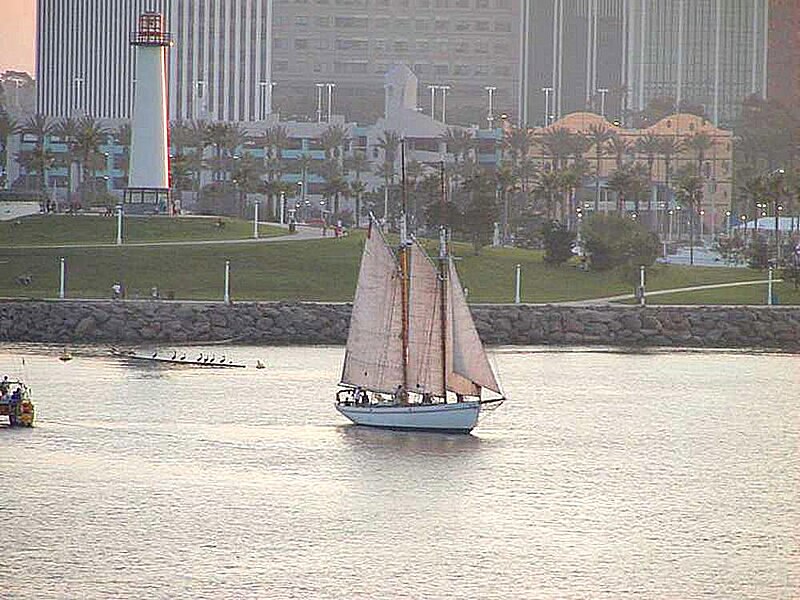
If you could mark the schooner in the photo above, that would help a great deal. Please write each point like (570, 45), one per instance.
(414, 359)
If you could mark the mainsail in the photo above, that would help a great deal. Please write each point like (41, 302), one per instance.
(468, 365)
(374, 354)
(425, 357)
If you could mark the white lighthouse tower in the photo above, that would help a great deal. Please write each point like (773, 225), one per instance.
(148, 178)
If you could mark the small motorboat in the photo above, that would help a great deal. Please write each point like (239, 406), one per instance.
(260, 365)
(17, 405)
(65, 356)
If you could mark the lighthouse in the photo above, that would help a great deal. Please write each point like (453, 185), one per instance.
(148, 178)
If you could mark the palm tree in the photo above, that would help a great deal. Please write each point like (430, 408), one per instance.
(8, 127)
(517, 141)
(628, 182)
(389, 142)
(218, 136)
(689, 191)
(649, 146)
(67, 129)
(598, 136)
(357, 189)
(506, 181)
(700, 143)
(619, 147)
(37, 160)
(90, 134)
(387, 172)
(559, 143)
(669, 146)
(546, 188)
(40, 126)
(752, 192)
(332, 141)
(246, 176)
(458, 142)
(357, 163)
(275, 141)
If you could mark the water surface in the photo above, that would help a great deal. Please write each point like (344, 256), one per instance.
(608, 475)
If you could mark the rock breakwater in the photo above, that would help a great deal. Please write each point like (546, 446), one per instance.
(115, 322)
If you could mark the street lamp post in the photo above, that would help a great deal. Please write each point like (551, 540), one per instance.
(547, 91)
(62, 278)
(199, 99)
(255, 220)
(728, 222)
(490, 89)
(702, 213)
(319, 101)
(669, 236)
(119, 224)
(265, 99)
(444, 89)
(227, 293)
(602, 92)
(330, 87)
(283, 207)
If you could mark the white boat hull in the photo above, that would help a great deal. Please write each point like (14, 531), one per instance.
(458, 417)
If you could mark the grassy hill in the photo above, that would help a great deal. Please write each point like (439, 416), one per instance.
(95, 229)
(315, 270)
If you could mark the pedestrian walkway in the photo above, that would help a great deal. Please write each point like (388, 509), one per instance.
(694, 288)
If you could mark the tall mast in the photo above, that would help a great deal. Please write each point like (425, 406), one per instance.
(443, 264)
(404, 262)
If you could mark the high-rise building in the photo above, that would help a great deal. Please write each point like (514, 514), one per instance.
(783, 56)
(614, 56)
(219, 65)
(709, 53)
(468, 45)
(571, 58)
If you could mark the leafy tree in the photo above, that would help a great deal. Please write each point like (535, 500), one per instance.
(557, 243)
(480, 210)
(612, 241)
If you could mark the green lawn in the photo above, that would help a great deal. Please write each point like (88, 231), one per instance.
(93, 229)
(324, 270)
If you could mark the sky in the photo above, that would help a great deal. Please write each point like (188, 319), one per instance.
(18, 35)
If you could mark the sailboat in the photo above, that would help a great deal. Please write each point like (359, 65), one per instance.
(414, 359)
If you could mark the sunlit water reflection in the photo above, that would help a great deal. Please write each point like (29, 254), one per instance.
(607, 475)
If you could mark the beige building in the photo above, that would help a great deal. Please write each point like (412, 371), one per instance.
(467, 45)
(716, 168)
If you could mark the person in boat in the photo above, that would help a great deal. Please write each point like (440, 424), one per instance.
(401, 395)
(427, 398)
(360, 396)
(4, 386)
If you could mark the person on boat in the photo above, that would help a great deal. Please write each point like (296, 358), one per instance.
(400, 395)
(427, 398)
(4, 386)
(459, 398)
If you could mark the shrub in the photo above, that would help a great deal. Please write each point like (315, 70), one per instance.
(612, 241)
(557, 243)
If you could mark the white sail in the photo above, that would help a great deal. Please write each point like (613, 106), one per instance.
(425, 356)
(374, 354)
(468, 365)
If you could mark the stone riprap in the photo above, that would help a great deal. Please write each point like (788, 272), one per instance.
(277, 323)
